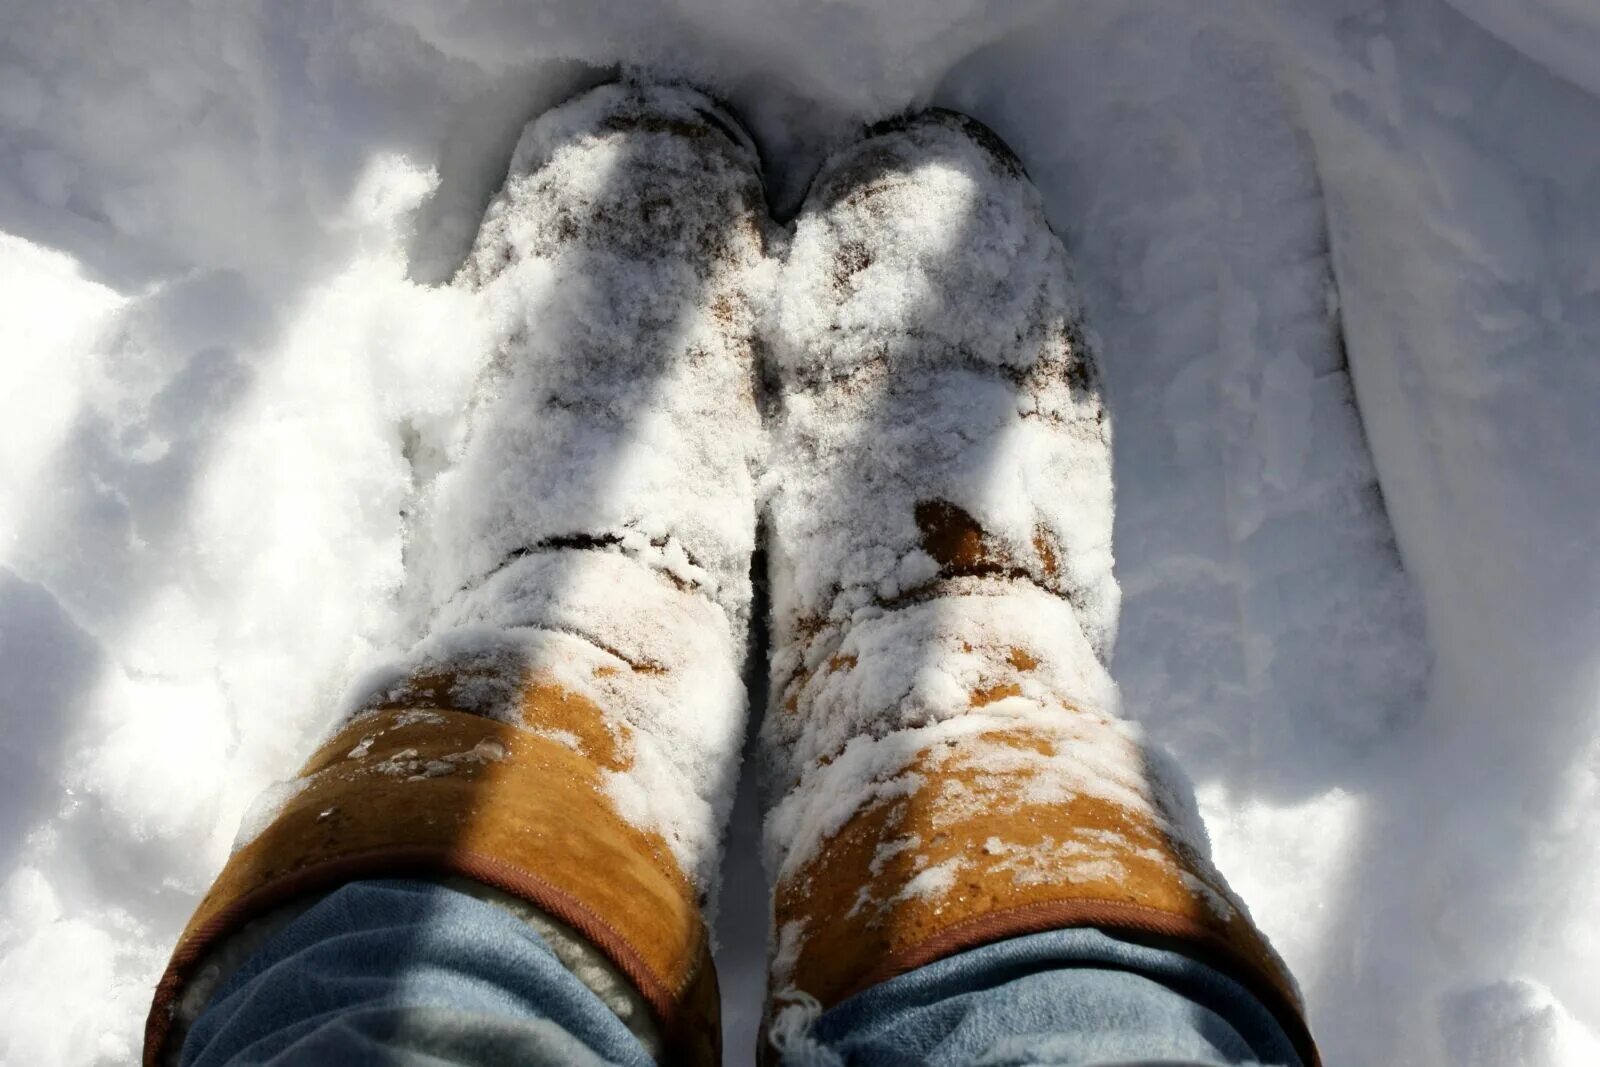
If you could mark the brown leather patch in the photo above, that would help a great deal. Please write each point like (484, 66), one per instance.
(433, 791)
(1022, 659)
(984, 697)
(962, 548)
(953, 538)
(1044, 545)
(966, 854)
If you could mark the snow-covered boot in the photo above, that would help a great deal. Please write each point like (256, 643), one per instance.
(567, 730)
(947, 762)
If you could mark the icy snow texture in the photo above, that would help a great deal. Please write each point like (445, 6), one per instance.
(926, 348)
(927, 345)
(940, 505)
(225, 374)
(619, 266)
(595, 532)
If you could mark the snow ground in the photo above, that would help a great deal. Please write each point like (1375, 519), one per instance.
(1373, 640)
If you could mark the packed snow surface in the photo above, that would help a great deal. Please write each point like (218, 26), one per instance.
(1341, 260)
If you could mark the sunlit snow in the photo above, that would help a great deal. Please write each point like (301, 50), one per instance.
(1341, 263)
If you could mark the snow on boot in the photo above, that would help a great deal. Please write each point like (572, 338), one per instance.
(568, 730)
(946, 762)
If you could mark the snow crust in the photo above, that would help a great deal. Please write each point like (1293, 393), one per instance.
(231, 377)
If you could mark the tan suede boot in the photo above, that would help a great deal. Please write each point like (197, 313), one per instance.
(568, 730)
(948, 762)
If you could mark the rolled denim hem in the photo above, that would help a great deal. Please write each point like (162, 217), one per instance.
(1073, 997)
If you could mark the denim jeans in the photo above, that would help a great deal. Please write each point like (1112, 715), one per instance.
(410, 972)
